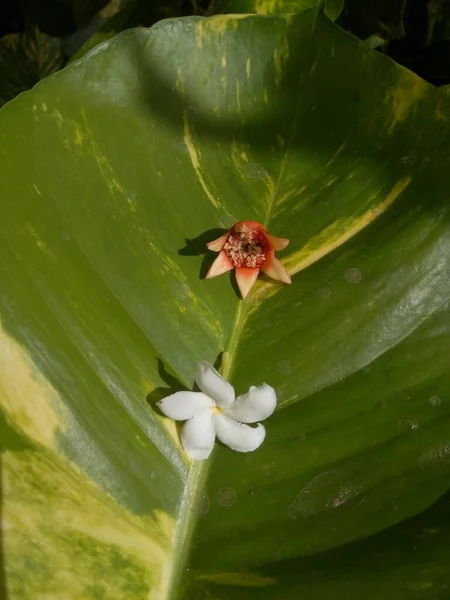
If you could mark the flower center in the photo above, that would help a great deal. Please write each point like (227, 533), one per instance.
(216, 410)
(246, 249)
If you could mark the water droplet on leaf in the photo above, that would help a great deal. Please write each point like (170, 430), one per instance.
(284, 367)
(193, 114)
(437, 456)
(254, 171)
(326, 497)
(226, 497)
(200, 505)
(323, 292)
(181, 291)
(353, 275)
(435, 401)
(180, 146)
(227, 221)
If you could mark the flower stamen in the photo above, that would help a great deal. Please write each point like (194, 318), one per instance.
(246, 249)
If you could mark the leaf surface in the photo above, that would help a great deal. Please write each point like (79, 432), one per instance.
(107, 168)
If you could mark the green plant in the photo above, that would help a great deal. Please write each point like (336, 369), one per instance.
(112, 171)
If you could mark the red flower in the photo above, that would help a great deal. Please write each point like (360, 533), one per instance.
(248, 248)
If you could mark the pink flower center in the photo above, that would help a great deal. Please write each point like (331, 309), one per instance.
(246, 249)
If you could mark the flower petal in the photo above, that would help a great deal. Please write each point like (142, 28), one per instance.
(276, 243)
(213, 385)
(198, 435)
(217, 245)
(184, 405)
(221, 265)
(256, 405)
(246, 226)
(246, 277)
(238, 436)
(274, 269)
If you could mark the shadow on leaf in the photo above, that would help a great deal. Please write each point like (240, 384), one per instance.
(173, 386)
(196, 246)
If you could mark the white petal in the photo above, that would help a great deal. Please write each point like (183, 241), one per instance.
(198, 435)
(213, 385)
(237, 436)
(256, 405)
(184, 405)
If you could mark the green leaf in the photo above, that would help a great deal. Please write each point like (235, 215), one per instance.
(333, 8)
(107, 168)
(25, 58)
(264, 7)
(438, 21)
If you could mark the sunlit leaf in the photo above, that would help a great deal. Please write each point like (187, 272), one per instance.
(264, 7)
(114, 173)
(333, 8)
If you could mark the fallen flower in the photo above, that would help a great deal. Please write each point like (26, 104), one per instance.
(216, 412)
(248, 248)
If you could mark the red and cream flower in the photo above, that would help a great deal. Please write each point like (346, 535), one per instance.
(248, 248)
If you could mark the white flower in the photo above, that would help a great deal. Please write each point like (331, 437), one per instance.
(216, 412)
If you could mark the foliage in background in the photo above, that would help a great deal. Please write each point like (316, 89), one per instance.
(51, 32)
(261, 7)
(132, 13)
(60, 17)
(31, 42)
(25, 59)
(415, 33)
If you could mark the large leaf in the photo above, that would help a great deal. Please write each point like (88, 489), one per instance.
(333, 8)
(264, 7)
(107, 167)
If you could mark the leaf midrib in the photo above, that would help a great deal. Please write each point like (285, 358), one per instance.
(186, 522)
